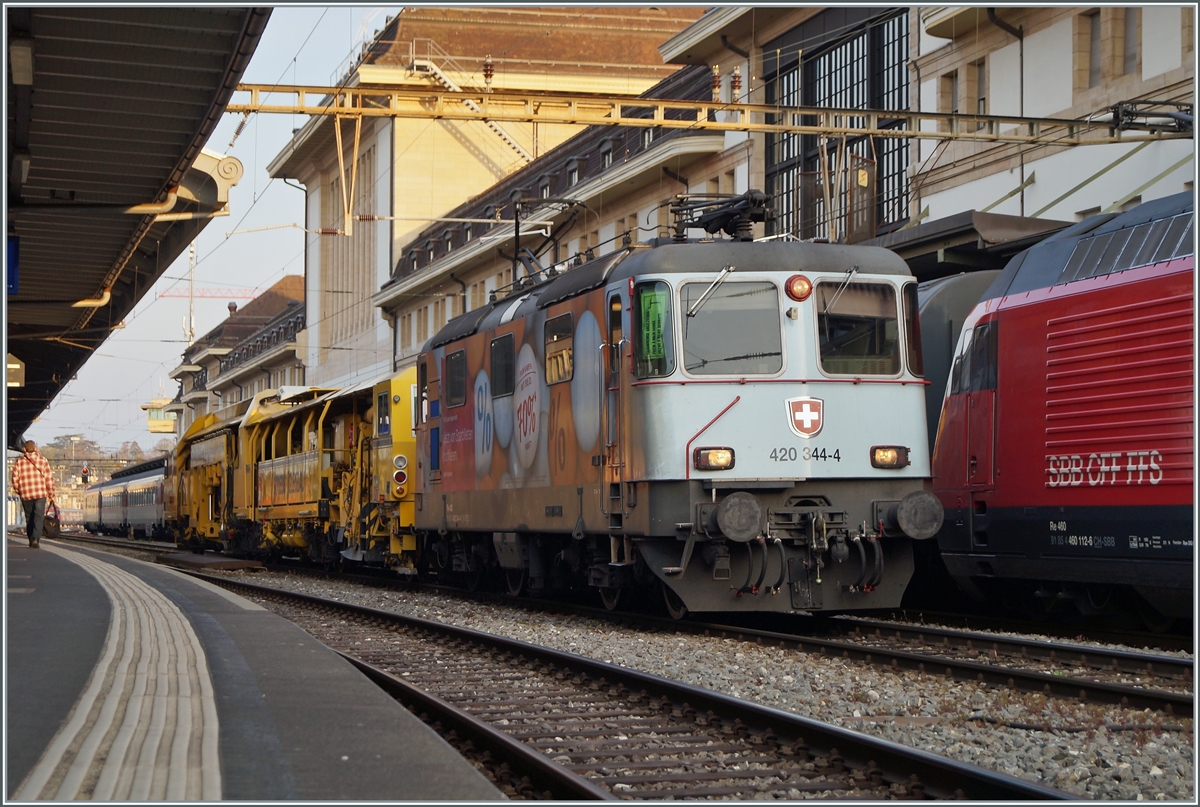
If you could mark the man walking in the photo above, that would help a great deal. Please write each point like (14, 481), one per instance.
(33, 481)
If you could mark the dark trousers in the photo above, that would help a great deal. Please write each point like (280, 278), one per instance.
(35, 517)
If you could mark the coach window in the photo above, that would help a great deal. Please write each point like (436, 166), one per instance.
(504, 376)
(456, 379)
(559, 357)
(735, 330)
(858, 330)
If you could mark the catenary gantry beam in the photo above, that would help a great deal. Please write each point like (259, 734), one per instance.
(600, 110)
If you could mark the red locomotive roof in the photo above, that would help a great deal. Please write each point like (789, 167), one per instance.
(1048, 263)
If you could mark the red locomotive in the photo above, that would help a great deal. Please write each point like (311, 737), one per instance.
(1065, 453)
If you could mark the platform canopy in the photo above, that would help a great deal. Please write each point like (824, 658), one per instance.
(109, 110)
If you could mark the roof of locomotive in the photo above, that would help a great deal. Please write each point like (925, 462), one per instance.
(141, 467)
(673, 258)
(1042, 265)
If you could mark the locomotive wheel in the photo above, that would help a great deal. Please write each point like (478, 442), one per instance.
(675, 606)
(611, 597)
(515, 581)
(473, 579)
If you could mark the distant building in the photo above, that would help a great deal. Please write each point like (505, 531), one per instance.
(259, 336)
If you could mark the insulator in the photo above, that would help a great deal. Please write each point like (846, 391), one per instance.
(236, 132)
(716, 82)
(735, 84)
(489, 70)
(329, 231)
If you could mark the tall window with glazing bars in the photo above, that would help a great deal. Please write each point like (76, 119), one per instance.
(849, 58)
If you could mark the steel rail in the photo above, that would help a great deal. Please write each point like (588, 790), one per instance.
(1130, 661)
(937, 776)
(973, 620)
(959, 669)
(1070, 687)
(547, 774)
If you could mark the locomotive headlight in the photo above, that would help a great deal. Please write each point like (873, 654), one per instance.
(712, 459)
(400, 477)
(399, 491)
(798, 287)
(400, 461)
(889, 457)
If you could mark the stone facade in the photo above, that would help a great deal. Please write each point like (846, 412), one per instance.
(410, 172)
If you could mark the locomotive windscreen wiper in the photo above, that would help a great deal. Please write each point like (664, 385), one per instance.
(716, 282)
(845, 284)
(743, 357)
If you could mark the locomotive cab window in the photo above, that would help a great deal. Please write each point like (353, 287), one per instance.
(456, 378)
(858, 330)
(912, 330)
(974, 367)
(559, 356)
(735, 330)
(504, 376)
(654, 342)
(383, 415)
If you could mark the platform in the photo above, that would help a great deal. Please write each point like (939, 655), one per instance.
(207, 561)
(132, 681)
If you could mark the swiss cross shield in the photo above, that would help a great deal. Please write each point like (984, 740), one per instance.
(805, 415)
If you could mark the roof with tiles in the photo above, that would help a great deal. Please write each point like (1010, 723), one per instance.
(248, 320)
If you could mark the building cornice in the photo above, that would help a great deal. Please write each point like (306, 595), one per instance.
(184, 369)
(692, 38)
(211, 353)
(619, 176)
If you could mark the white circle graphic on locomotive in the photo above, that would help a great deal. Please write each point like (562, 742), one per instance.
(585, 383)
(502, 420)
(484, 425)
(527, 406)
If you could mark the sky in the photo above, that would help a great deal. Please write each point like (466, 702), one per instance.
(301, 45)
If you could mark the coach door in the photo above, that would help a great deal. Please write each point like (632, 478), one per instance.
(614, 390)
(981, 427)
(431, 415)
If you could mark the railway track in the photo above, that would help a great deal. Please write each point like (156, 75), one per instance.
(1058, 669)
(1104, 675)
(612, 732)
(1089, 630)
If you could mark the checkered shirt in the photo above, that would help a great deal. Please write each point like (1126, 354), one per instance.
(32, 477)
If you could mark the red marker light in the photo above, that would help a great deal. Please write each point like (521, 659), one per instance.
(400, 477)
(798, 287)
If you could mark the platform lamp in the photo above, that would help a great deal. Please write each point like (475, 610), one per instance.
(20, 56)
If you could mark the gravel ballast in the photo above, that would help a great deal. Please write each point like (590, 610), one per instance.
(1092, 750)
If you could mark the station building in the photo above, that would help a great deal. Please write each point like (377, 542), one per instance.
(589, 192)
(251, 350)
(409, 172)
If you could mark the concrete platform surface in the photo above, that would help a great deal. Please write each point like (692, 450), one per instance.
(190, 560)
(130, 681)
